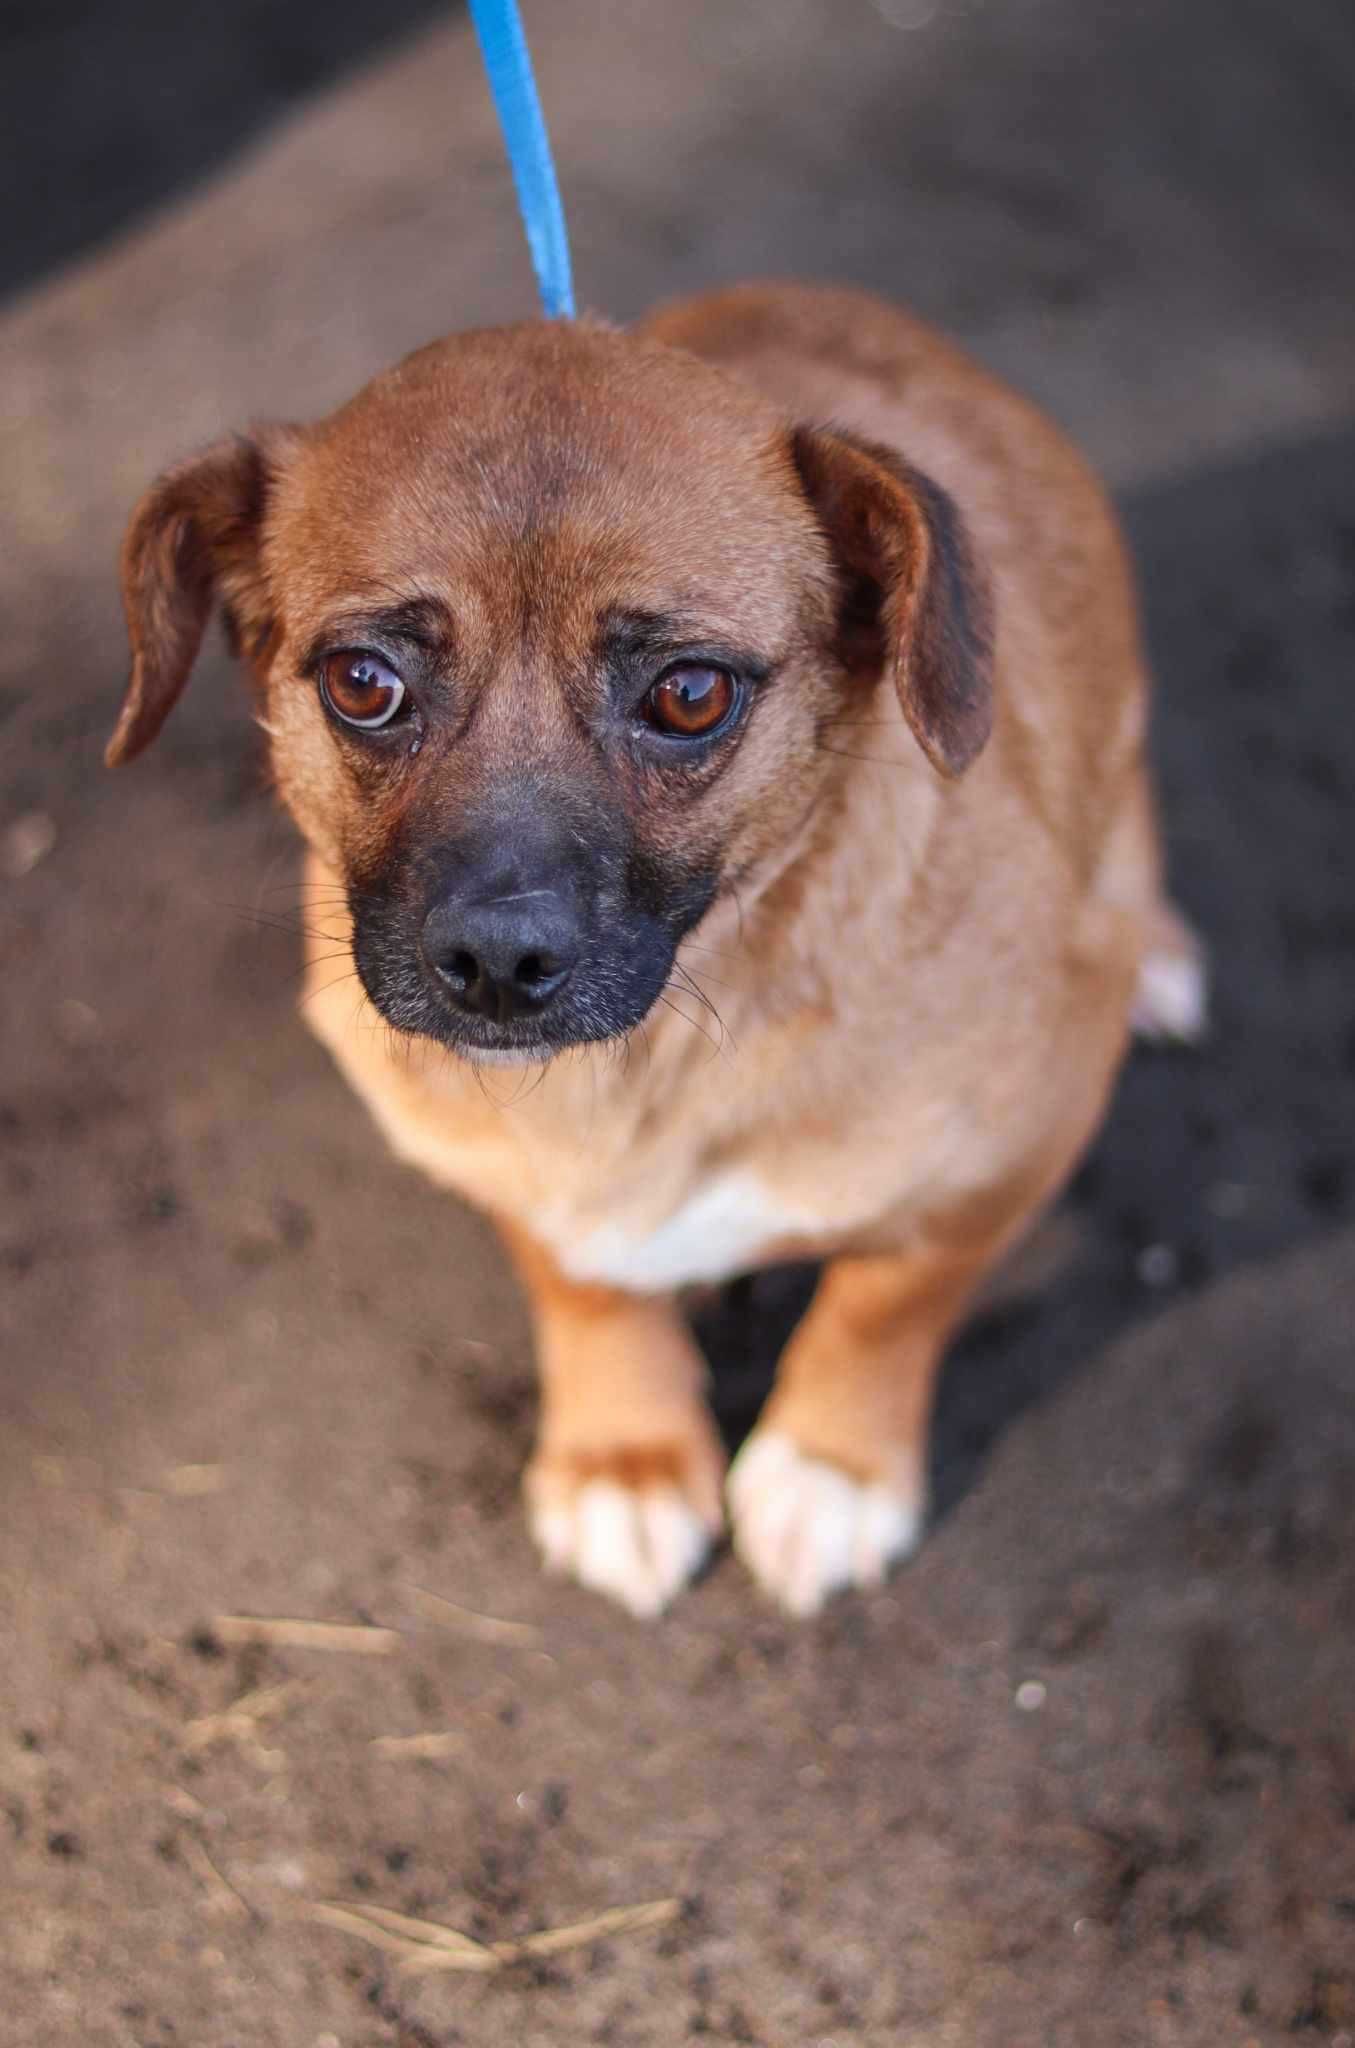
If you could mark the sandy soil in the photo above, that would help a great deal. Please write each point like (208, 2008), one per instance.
(1085, 1774)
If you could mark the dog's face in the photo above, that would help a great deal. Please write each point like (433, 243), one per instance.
(548, 624)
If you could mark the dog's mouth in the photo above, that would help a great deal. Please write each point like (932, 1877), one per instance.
(518, 1042)
(562, 1028)
(537, 1055)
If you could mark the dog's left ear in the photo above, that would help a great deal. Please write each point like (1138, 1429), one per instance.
(193, 542)
(915, 601)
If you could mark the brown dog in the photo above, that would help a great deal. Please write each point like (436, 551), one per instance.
(612, 690)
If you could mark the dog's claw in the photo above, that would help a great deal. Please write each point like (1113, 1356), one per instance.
(806, 1529)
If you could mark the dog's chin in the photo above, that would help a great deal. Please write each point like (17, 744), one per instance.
(504, 1055)
(511, 1045)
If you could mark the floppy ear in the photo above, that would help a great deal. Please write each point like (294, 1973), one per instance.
(915, 601)
(193, 541)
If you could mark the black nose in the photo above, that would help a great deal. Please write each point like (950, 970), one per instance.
(505, 958)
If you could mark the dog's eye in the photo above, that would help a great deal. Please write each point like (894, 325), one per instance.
(361, 690)
(691, 701)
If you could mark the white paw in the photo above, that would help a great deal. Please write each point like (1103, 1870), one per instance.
(639, 1546)
(1172, 998)
(805, 1529)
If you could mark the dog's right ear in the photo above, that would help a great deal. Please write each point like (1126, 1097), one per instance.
(193, 542)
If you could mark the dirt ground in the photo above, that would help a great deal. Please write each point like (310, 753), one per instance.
(1085, 1774)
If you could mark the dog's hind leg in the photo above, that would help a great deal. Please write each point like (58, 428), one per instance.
(1171, 1000)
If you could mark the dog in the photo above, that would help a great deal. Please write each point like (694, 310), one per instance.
(737, 725)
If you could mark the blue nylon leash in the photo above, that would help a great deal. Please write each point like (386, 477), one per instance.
(503, 45)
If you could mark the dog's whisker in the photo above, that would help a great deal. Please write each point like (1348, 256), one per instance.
(338, 904)
(304, 881)
(717, 952)
(269, 923)
(704, 975)
(695, 988)
(538, 1080)
(306, 885)
(670, 1004)
(308, 900)
(338, 981)
(669, 1001)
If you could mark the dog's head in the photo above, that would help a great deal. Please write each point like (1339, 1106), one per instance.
(547, 625)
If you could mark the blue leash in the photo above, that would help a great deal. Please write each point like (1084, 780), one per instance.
(509, 65)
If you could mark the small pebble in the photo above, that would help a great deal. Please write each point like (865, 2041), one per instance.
(1158, 1265)
(76, 1023)
(26, 842)
(1031, 1695)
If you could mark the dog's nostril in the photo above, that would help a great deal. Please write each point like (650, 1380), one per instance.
(503, 958)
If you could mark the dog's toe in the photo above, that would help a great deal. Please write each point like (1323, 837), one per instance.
(638, 1545)
(806, 1529)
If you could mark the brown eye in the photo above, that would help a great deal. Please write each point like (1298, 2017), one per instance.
(691, 701)
(361, 690)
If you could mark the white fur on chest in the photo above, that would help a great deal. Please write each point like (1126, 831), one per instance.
(723, 1229)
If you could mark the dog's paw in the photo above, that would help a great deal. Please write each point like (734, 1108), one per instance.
(1171, 1002)
(636, 1523)
(805, 1528)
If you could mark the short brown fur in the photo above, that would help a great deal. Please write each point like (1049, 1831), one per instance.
(937, 865)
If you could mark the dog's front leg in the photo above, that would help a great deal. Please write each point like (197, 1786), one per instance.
(624, 1490)
(830, 1488)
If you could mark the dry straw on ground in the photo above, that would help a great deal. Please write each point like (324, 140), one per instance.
(426, 1946)
(358, 1639)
